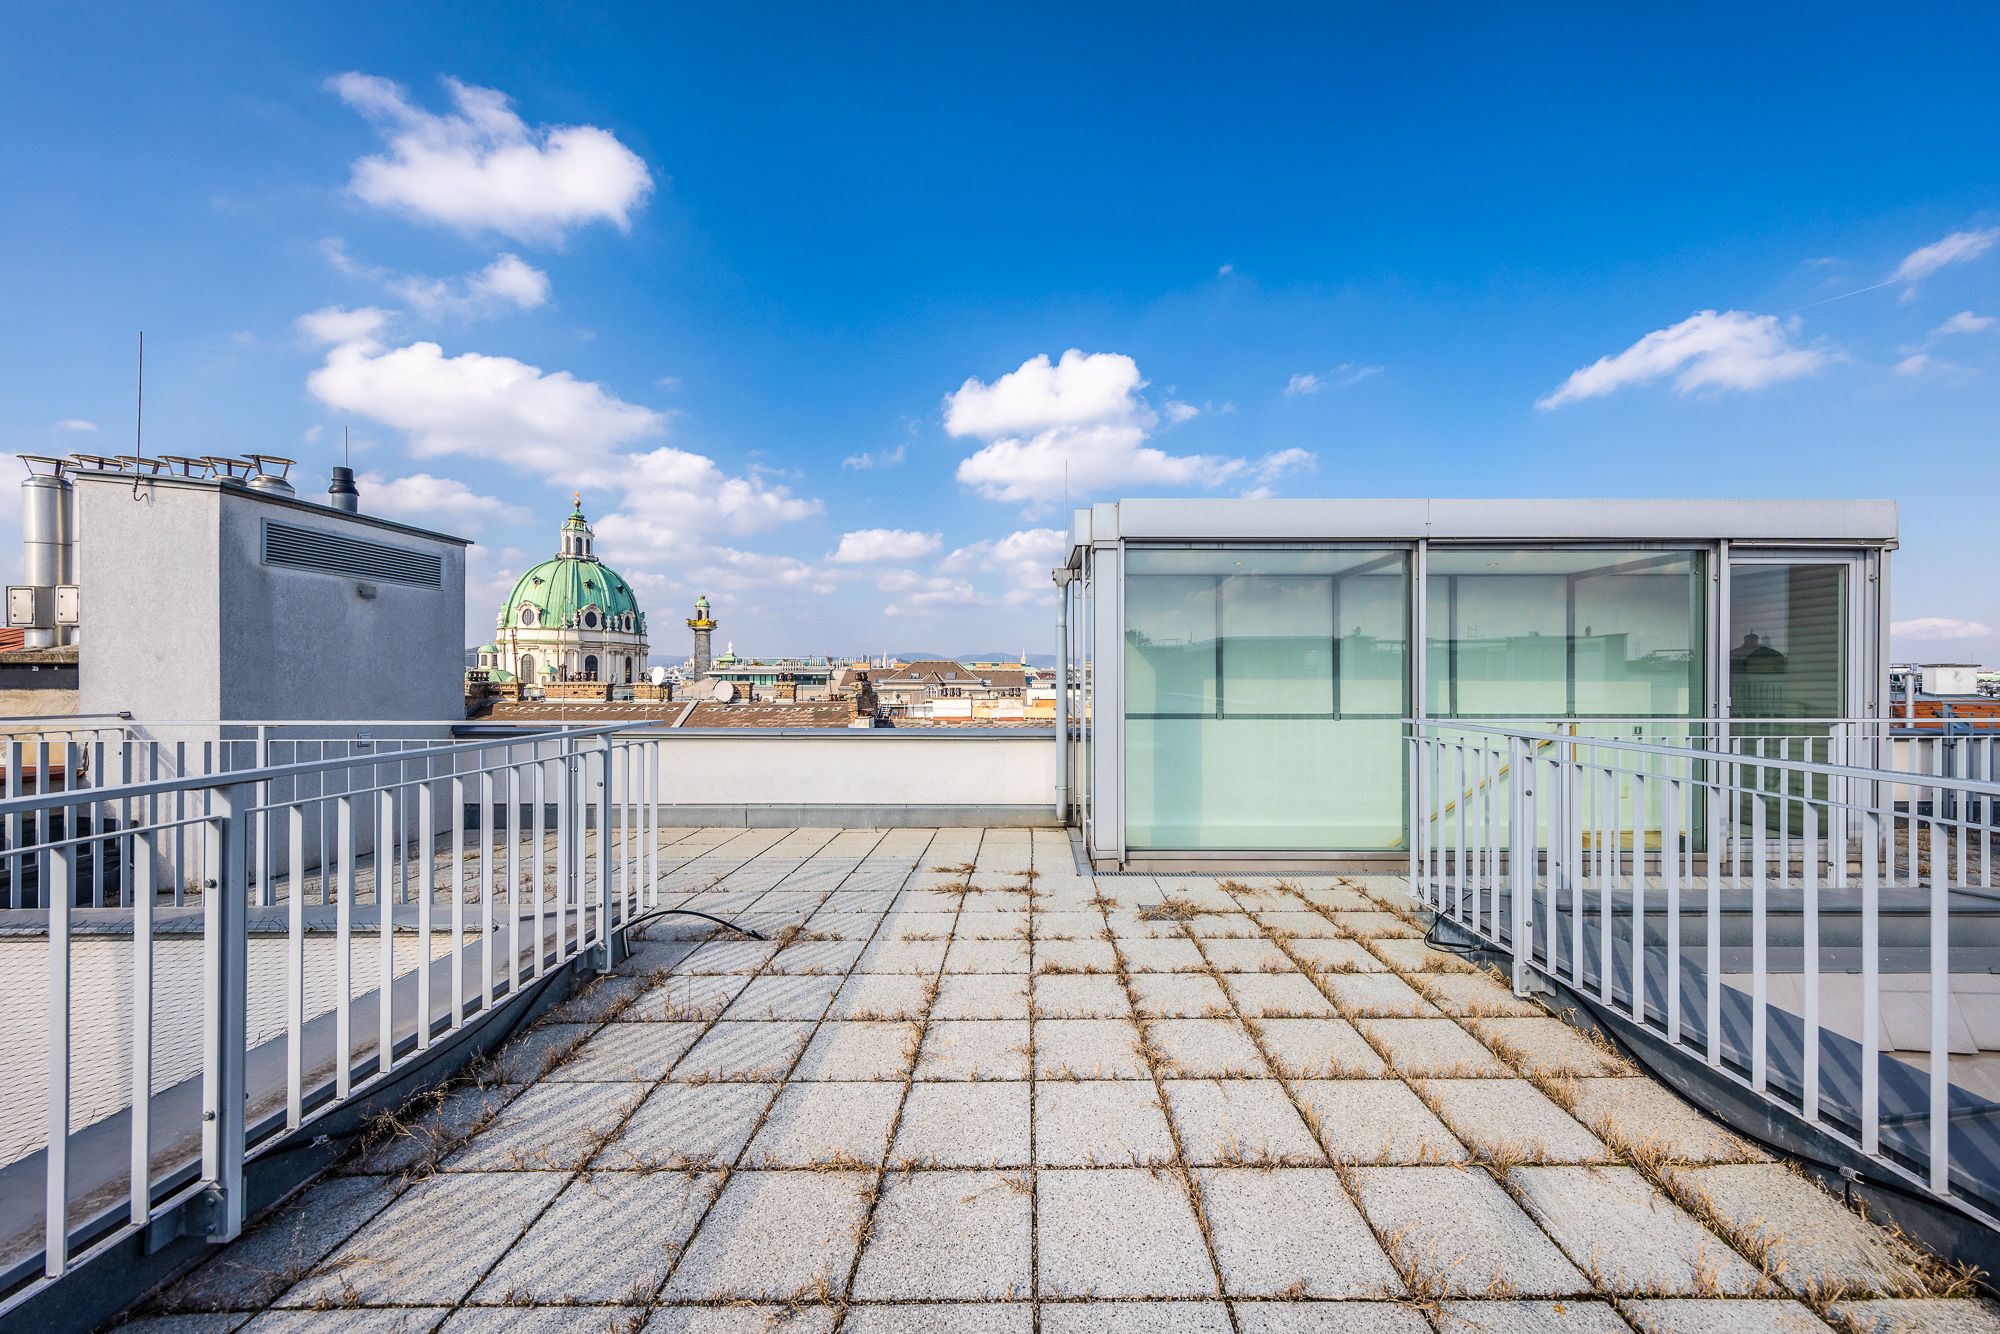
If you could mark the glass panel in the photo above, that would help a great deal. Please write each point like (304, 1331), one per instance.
(1264, 689)
(1788, 640)
(1554, 634)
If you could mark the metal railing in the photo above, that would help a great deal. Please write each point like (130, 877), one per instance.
(192, 1025)
(1741, 905)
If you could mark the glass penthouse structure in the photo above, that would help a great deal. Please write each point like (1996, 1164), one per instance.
(1250, 662)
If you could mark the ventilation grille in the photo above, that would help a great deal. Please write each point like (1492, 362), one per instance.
(333, 553)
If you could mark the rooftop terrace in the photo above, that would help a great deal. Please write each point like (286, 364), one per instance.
(965, 1085)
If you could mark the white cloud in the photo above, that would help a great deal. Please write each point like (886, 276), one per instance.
(867, 545)
(674, 500)
(508, 282)
(1916, 364)
(548, 423)
(1080, 423)
(1225, 270)
(1345, 374)
(924, 592)
(1354, 372)
(1939, 627)
(337, 324)
(1020, 562)
(1954, 249)
(880, 458)
(75, 424)
(481, 168)
(729, 570)
(1273, 466)
(1305, 383)
(1178, 412)
(1965, 322)
(1730, 350)
(444, 499)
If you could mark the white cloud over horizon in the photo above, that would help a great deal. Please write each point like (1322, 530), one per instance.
(1733, 349)
(482, 168)
(509, 283)
(868, 545)
(1956, 248)
(425, 496)
(1933, 628)
(1079, 425)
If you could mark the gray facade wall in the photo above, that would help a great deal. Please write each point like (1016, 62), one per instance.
(182, 620)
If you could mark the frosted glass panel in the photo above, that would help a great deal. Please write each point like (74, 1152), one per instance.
(1264, 692)
(1552, 634)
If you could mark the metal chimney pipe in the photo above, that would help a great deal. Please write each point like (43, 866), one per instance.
(343, 493)
(45, 507)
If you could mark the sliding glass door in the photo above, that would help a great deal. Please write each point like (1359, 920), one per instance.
(1264, 688)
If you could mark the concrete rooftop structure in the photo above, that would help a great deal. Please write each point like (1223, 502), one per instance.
(966, 1086)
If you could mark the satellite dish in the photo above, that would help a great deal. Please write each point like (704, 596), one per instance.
(658, 676)
(723, 692)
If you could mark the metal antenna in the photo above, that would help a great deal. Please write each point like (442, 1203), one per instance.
(343, 449)
(139, 417)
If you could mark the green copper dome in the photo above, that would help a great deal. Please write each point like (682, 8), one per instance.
(565, 590)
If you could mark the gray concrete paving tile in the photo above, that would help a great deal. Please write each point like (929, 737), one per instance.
(1277, 996)
(982, 996)
(948, 1235)
(611, 1236)
(958, 1317)
(282, 1247)
(754, 1050)
(1706, 1315)
(988, 920)
(1635, 1240)
(422, 1135)
(1246, 956)
(1343, 1317)
(1377, 925)
(1376, 1121)
(548, 1128)
(542, 1319)
(531, 1054)
(1080, 997)
(1478, 995)
(631, 1052)
(1179, 1317)
(971, 955)
(822, 957)
(1060, 956)
(1335, 956)
(974, 1049)
(1641, 1111)
(773, 1234)
(745, 1318)
(729, 956)
(1205, 1049)
(1435, 1047)
(1921, 1315)
(859, 1050)
(1088, 1049)
(373, 1320)
(397, 1257)
(1549, 1046)
(1513, 1112)
(818, 1123)
(963, 1125)
(599, 1000)
(1512, 1317)
(1319, 1049)
(681, 996)
(1166, 955)
(1069, 924)
(1378, 995)
(1291, 918)
(688, 1126)
(1092, 1122)
(1118, 1233)
(904, 956)
(205, 1322)
(1180, 996)
(1321, 1248)
(783, 998)
(1458, 1232)
(884, 996)
(1816, 1242)
(1246, 1121)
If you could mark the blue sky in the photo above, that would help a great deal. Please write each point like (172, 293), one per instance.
(706, 263)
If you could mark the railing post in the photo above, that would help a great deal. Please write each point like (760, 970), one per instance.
(1520, 859)
(226, 956)
(606, 856)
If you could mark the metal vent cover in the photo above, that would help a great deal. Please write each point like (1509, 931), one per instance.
(300, 548)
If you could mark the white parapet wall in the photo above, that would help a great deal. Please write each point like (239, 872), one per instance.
(858, 777)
